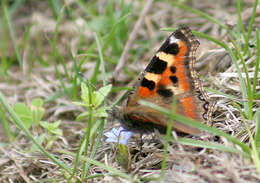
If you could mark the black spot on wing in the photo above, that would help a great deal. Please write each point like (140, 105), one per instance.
(173, 69)
(157, 66)
(164, 92)
(148, 84)
(179, 35)
(170, 48)
(174, 79)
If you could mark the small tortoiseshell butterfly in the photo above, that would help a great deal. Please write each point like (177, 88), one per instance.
(169, 74)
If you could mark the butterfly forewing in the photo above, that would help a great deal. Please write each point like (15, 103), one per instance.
(170, 74)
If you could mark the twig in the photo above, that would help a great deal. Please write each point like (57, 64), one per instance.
(132, 37)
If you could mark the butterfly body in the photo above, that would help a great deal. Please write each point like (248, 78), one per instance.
(169, 75)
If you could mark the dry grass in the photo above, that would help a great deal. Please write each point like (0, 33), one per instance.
(184, 163)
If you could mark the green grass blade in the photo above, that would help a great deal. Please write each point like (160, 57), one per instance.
(248, 92)
(90, 122)
(254, 149)
(15, 6)
(108, 38)
(257, 96)
(240, 22)
(111, 170)
(167, 139)
(4, 64)
(56, 54)
(199, 34)
(250, 27)
(203, 15)
(87, 7)
(257, 128)
(101, 59)
(55, 7)
(13, 38)
(97, 127)
(97, 143)
(6, 125)
(96, 71)
(54, 96)
(213, 131)
(75, 77)
(76, 161)
(210, 145)
(230, 97)
(257, 61)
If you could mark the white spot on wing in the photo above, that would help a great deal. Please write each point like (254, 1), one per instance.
(173, 40)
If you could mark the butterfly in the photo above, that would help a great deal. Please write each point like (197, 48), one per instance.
(169, 75)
